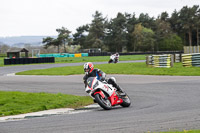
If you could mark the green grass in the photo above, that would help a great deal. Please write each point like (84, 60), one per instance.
(12, 103)
(1, 61)
(184, 131)
(97, 58)
(120, 68)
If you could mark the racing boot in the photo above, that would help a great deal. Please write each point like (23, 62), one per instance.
(119, 90)
(114, 84)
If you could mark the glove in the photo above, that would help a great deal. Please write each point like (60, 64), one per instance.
(102, 79)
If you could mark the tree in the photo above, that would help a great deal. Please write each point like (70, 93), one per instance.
(4, 48)
(171, 43)
(187, 17)
(163, 30)
(49, 41)
(116, 33)
(137, 35)
(131, 22)
(146, 20)
(144, 38)
(197, 24)
(96, 31)
(81, 35)
(164, 16)
(166, 39)
(148, 39)
(175, 22)
(63, 37)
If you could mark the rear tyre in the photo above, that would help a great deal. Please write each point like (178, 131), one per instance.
(104, 103)
(126, 101)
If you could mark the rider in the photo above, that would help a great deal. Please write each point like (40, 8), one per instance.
(91, 72)
(114, 57)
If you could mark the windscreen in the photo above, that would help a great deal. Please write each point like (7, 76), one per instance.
(89, 81)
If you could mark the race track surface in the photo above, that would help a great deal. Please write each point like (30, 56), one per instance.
(159, 103)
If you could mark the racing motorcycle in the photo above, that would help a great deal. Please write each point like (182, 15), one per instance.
(105, 94)
(113, 59)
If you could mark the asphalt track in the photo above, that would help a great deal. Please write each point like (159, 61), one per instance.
(159, 103)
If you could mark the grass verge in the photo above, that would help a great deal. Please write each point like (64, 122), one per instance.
(120, 68)
(12, 103)
(98, 58)
(184, 131)
(1, 61)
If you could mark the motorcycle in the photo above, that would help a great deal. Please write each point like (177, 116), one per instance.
(105, 94)
(113, 59)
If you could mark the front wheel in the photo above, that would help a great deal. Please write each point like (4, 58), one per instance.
(110, 61)
(126, 101)
(104, 103)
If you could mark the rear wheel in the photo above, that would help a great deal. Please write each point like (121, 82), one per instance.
(126, 101)
(104, 103)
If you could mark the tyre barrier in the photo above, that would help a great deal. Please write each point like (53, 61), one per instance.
(190, 60)
(165, 61)
(29, 60)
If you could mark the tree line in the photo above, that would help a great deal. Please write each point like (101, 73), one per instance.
(130, 33)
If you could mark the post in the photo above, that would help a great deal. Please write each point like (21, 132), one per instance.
(172, 60)
(147, 60)
(180, 57)
(174, 56)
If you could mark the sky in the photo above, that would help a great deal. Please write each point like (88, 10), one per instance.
(43, 17)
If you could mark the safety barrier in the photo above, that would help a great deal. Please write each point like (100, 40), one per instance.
(165, 61)
(84, 54)
(191, 60)
(11, 61)
(177, 57)
(191, 49)
(77, 55)
(71, 55)
(65, 55)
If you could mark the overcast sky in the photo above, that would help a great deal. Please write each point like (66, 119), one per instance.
(43, 17)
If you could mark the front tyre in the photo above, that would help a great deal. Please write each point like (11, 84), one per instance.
(126, 101)
(104, 103)
(110, 61)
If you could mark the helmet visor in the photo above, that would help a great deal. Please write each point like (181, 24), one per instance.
(86, 70)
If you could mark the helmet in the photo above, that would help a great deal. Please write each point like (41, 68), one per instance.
(88, 67)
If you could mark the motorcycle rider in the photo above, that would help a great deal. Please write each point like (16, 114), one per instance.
(91, 72)
(114, 58)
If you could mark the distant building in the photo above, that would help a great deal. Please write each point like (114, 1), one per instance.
(16, 52)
